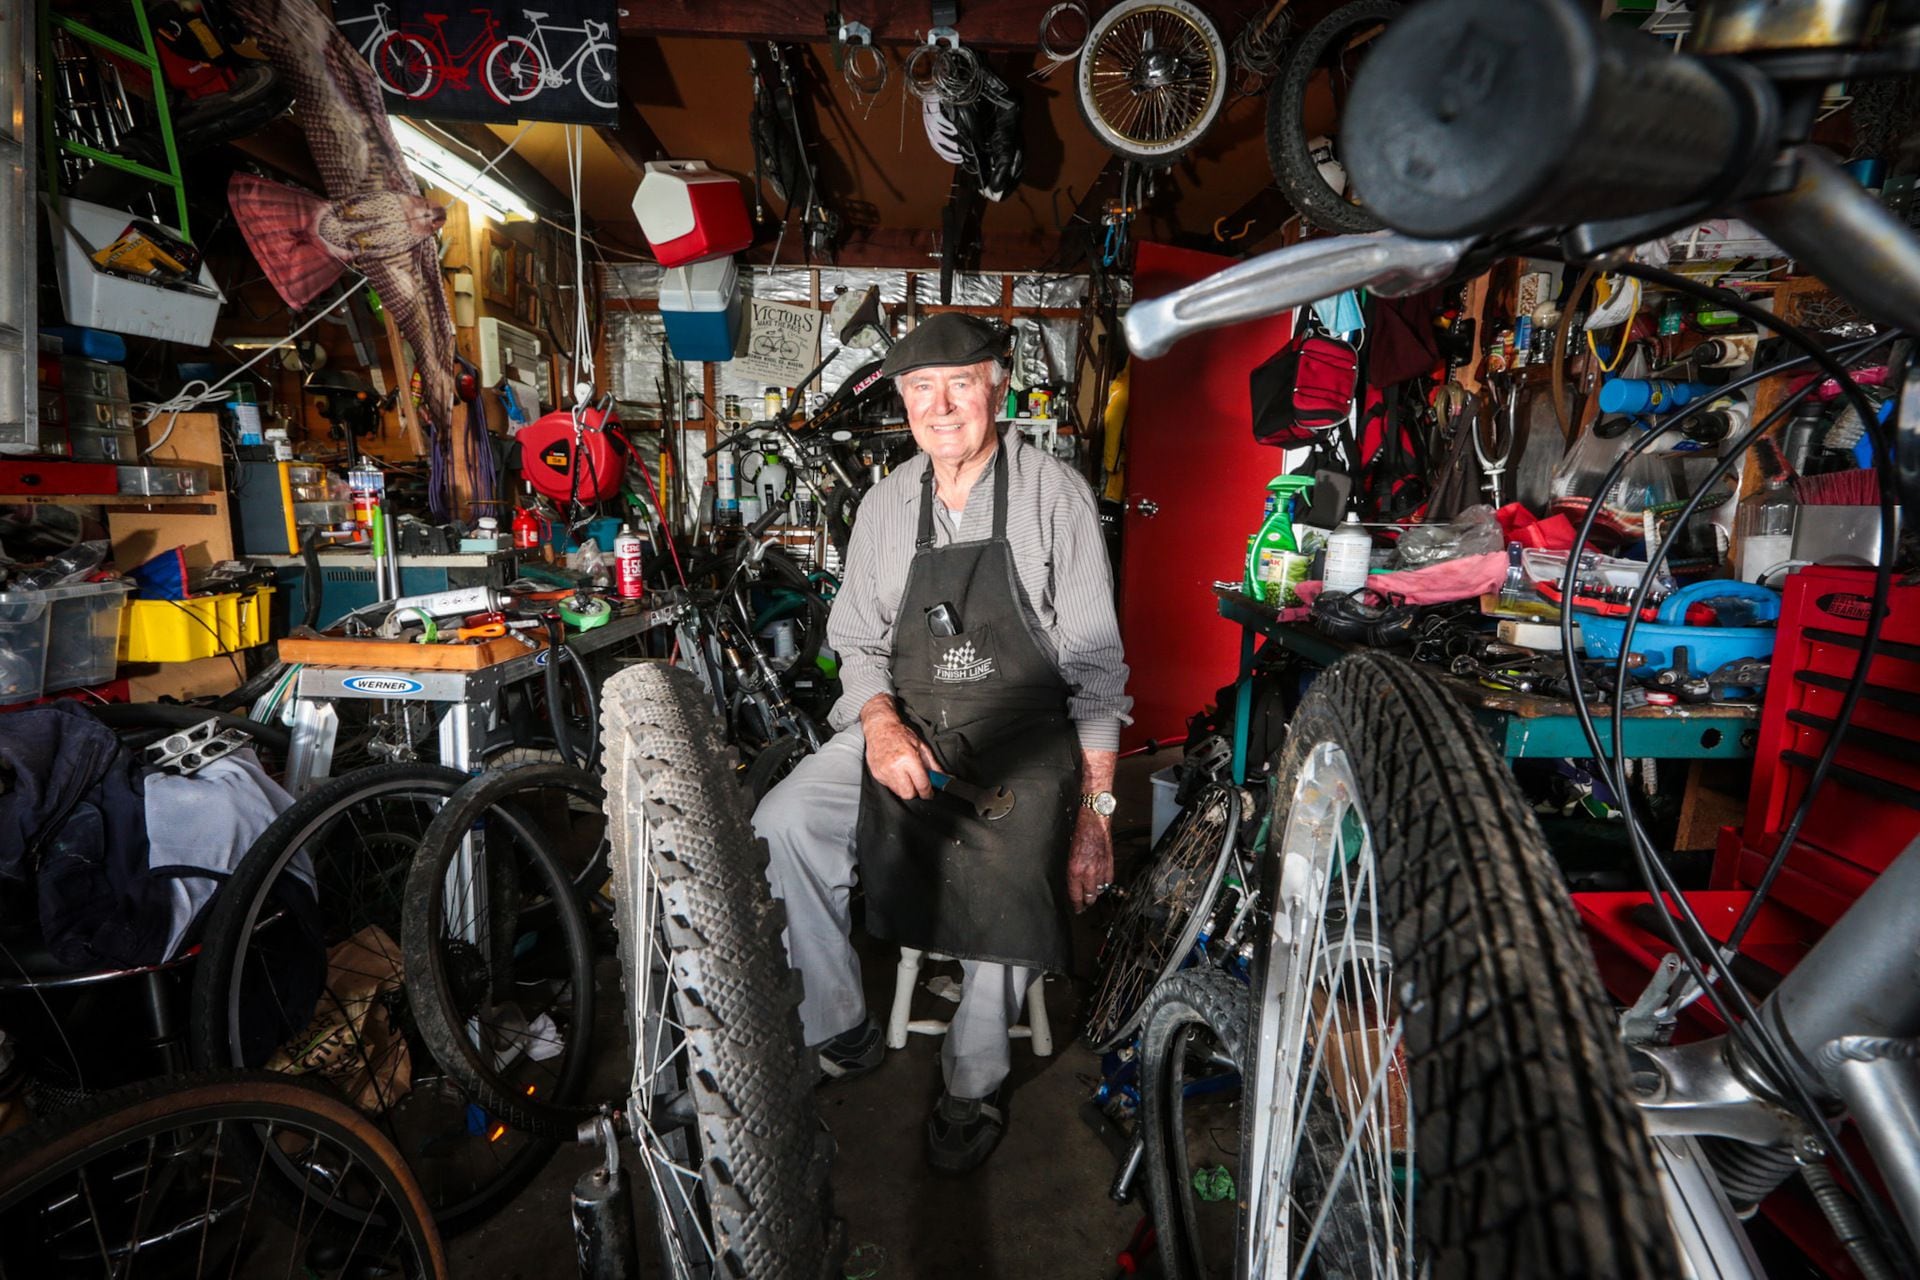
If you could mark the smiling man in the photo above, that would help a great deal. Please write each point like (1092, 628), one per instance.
(976, 632)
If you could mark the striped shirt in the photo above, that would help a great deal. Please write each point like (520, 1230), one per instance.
(1065, 583)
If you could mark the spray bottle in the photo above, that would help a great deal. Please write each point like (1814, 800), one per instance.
(1275, 562)
(628, 571)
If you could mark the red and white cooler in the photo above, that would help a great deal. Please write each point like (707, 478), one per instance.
(689, 213)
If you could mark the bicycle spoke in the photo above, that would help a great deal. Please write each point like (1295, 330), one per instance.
(1346, 1157)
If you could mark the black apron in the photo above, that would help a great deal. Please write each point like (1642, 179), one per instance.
(994, 709)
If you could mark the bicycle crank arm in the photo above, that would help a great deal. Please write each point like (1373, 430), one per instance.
(997, 803)
(1388, 263)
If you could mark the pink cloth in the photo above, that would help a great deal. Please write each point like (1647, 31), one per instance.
(1520, 525)
(1467, 578)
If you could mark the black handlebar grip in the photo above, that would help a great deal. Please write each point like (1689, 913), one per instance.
(1477, 116)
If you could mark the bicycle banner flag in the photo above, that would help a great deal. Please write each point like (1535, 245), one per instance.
(451, 62)
(779, 343)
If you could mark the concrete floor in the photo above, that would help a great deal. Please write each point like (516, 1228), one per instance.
(1037, 1208)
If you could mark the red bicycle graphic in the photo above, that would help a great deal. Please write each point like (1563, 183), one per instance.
(415, 62)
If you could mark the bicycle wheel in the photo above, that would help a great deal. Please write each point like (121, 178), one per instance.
(499, 961)
(168, 1178)
(329, 869)
(407, 66)
(722, 1092)
(1333, 48)
(1434, 1088)
(598, 75)
(1152, 78)
(1165, 907)
(773, 764)
(514, 71)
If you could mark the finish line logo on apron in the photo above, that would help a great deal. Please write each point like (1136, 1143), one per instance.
(961, 665)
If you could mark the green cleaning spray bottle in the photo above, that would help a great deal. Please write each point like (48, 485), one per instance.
(1275, 562)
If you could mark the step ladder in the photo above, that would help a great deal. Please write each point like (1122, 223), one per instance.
(144, 57)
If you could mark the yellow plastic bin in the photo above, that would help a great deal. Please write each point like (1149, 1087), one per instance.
(200, 627)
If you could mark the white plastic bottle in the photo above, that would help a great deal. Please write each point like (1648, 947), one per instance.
(1348, 553)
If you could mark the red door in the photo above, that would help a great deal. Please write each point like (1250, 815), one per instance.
(1196, 485)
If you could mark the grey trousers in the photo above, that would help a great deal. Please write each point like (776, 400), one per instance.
(808, 824)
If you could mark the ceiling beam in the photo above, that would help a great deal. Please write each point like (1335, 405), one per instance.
(630, 138)
(988, 24)
(918, 250)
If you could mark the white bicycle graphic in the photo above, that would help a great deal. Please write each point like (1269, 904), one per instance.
(521, 66)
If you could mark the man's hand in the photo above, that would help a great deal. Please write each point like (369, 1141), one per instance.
(1090, 865)
(896, 756)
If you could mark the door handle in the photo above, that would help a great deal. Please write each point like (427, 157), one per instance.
(1147, 508)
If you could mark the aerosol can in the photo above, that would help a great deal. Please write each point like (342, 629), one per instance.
(627, 573)
(726, 507)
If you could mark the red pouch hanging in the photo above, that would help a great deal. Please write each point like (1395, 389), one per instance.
(1303, 389)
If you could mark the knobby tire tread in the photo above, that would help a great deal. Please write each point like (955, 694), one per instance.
(762, 1164)
(1531, 1153)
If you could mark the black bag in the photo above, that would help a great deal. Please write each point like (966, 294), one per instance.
(1303, 389)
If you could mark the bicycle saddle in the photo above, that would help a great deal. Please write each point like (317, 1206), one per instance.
(435, 19)
(534, 17)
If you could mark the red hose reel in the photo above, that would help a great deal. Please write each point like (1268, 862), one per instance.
(564, 465)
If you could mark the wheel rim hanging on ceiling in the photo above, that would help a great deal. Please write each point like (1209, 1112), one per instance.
(1152, 78)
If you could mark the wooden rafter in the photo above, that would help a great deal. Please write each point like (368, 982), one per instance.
(989, 24)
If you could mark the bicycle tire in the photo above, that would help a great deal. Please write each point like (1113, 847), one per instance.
(1162, 914)
(1162, 154)
(690, 879)
(597, 74)
(1501, 1037)
(773, 764)
(224, 1035)
(441, 1015)
(33, 1159)
(1293, 165)
(508, 91)
(394, 75)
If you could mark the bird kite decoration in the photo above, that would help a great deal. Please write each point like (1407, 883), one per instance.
(374, 219)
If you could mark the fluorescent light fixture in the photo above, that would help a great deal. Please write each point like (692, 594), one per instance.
(444, 169)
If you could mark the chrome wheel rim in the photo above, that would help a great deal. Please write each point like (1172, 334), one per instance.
(1332, 1129)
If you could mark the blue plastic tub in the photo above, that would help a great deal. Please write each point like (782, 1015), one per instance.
(1708, 648)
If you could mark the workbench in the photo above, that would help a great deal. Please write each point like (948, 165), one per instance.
(471, 698)
(1521, 725)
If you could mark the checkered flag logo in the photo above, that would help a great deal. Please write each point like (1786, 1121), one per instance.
(961, 656)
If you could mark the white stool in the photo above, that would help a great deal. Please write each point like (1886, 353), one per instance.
(907, 976)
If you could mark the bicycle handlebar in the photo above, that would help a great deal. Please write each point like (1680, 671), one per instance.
(1471, 117)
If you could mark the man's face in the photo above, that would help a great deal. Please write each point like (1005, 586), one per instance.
(950, 410)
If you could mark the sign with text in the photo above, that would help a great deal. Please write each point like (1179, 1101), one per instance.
(780, 343)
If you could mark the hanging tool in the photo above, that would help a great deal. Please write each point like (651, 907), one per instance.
(991, 805)
(1494, 452)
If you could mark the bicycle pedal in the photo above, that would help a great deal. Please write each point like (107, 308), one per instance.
(190, 750)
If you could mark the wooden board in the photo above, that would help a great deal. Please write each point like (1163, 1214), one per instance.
(337, 651)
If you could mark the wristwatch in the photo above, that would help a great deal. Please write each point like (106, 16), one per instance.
(1101, 802)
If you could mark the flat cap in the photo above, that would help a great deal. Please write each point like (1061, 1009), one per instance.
(945, 340)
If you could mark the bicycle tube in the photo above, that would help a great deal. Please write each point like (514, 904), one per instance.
(35, 1159)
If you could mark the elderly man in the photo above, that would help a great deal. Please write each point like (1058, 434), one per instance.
(977, 639)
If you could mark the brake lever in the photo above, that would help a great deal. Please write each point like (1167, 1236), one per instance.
(1385, 262)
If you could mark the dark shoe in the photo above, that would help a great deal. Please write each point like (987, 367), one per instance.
(852, 1054)
(962, 1132)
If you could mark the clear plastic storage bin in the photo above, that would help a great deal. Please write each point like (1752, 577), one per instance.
(23, 645)
(83, 632)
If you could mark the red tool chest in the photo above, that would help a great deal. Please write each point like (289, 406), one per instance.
(1868, 809)
(39, 475)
